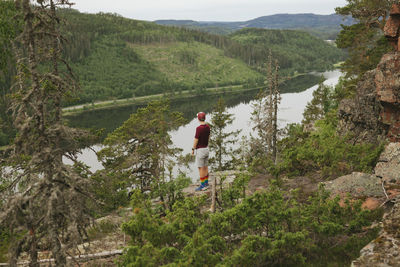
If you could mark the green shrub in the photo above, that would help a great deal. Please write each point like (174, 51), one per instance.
(323, 149)
(101, 229)
(4, 243)
(266, 229)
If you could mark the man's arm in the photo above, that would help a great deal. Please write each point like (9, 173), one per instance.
(196, 141)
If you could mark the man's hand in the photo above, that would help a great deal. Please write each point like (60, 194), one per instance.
(192, 151)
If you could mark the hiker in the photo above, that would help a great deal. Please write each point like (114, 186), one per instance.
(200, 145)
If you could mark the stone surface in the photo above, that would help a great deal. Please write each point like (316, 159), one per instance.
(384, 250)
(374, 112)
(387, 78)
(392, 26)
(388, 166)
(371, 203)
(360, 117)
(395, 10)
(358, 185)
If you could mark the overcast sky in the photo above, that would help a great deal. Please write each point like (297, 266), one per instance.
(206, 10)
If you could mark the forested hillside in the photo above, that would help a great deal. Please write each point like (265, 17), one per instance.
(295, 50)
(116, 57)
(325, 27)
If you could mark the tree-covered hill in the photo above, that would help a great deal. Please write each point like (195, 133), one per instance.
(116, 57)
(295, 50)
(322, 26)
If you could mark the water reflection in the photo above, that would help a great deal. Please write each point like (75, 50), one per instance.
(239, 104)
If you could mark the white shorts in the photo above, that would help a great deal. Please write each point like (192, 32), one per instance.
(202, 157)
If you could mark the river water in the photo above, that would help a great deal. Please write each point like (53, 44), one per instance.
(290, 111)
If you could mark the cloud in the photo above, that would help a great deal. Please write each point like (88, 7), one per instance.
(215, 10)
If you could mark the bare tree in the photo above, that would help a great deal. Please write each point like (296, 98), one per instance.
(265, 111)
(46, 207)
(275, 102)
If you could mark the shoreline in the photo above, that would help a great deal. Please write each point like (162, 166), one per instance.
(142, 100)
(78, 109)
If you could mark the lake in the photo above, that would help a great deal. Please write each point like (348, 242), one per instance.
(240, 105)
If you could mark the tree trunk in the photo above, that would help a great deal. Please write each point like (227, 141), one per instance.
(213, 193)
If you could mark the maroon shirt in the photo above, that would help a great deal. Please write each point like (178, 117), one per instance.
(202, 133)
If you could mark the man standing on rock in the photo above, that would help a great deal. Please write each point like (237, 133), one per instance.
(200, 145)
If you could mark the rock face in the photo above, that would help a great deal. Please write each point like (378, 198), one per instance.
(388, 166)
(360, 117)
(384, 250)
(392, 26)
(387, 80)
(374, 113)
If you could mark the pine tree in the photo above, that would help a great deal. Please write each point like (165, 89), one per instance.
(221, 141)
(141, 150)
(47, 203)
(364, 40)
(319, 106)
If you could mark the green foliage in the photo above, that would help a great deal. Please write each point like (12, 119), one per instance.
(195, 65)
(10, 26)
(138, 155)
(101, 229)
(171, 191)
(111, 188)
(113, 70)
(221, 142)
(235, 192)
(320, 104)
(364, 40)
(323, 149)
(268, 228)
(4, 243)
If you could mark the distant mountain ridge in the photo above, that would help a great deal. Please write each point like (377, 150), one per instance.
(323, 26)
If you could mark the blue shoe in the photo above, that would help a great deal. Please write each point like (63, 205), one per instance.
(200, 188)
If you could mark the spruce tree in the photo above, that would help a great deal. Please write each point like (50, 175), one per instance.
(46, 199)
(221, 141)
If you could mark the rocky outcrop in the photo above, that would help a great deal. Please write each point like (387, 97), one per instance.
(384, 251)
(358, 185)
(388, 166)
(360, 118)
(382, 187)
(387, 81)
(375, 111)
(392, 26)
